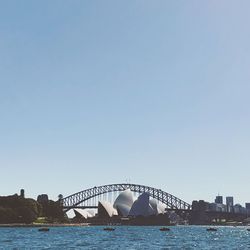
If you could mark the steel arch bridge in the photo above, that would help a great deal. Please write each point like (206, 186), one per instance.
(171, 201)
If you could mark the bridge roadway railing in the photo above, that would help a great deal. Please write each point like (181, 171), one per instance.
(171, 201)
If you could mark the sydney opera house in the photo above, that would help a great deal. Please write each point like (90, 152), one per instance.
(125, 206)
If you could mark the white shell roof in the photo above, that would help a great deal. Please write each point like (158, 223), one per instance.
(146, 206)
(109, 208)
(158, 208)
(141, 206)
(124, 202)
(84, 213)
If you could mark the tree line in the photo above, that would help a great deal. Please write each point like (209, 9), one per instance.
(17, 209)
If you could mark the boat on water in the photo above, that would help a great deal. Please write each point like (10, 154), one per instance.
(164, 229)
(212, 229)
(109, 229)
(43, 229)
(248, 229)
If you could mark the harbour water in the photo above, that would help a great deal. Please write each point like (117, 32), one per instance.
(125, 237)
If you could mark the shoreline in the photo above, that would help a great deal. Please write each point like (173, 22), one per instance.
(46, 225)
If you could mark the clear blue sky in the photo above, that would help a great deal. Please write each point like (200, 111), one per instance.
(98, 92)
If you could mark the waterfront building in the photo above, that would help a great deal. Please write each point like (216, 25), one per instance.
(219, 199)
(230, 203)
(106, 209)
(239, 209)
(198, 214)
(248, 205)
(83, 214)
(141, 206)
(248, 208)
(126, 205)
(217, 207)
(200, 205)
(212, 207)
(157, 207)
(146, 206)
(124, 202)
(230, 200)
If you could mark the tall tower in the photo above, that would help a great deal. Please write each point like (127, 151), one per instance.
(22, 193)
(219, 199)
(230, 203)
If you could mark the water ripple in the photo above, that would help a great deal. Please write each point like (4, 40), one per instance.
(125, 237)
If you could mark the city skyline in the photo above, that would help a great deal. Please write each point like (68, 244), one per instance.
(149, 92)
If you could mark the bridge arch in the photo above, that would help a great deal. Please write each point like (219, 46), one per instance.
(171, 201)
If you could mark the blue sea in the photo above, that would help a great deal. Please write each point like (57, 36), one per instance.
(125, 237)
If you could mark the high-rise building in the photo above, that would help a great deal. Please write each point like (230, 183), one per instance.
(248, 205)
(219, 199)
(230, 201)
(248, 209)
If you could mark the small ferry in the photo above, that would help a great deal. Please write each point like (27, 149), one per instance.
(212, 229)
(164, 229)
(109, 229)
(43, 229)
